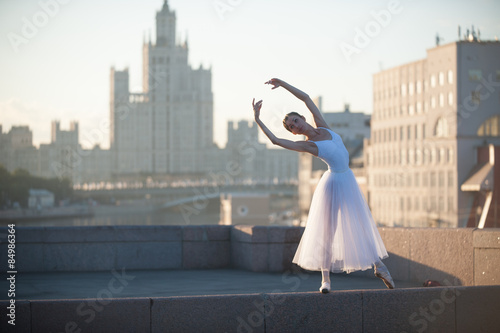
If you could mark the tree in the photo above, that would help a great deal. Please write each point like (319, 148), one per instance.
(15, 186)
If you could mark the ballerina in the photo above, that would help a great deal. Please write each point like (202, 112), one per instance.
(340, 234)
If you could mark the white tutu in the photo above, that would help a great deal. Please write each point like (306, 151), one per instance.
(340, 234)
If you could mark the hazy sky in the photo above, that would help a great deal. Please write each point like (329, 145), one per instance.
(60, 69)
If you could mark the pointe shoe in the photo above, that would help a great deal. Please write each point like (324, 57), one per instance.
(325, 287)
(382, 272)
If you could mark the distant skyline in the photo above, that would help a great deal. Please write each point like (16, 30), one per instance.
(57, 54)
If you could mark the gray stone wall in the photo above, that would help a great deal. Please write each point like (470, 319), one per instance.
(463, 256)
(439, 309)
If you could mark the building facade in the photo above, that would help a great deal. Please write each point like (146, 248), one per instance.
(61, 157)
(17, 150)
(429, 118)
(167, 128)
(254, 159)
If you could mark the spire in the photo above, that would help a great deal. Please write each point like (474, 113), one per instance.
(165, 6)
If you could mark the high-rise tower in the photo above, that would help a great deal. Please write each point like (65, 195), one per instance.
(167, 128)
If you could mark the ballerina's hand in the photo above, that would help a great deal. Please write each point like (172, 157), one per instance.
(256, 108)
(275, 82)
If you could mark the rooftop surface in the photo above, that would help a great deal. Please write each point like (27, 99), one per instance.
(163, 283)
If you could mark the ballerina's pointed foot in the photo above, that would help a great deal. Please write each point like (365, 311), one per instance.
(325, 287)
(382, 273)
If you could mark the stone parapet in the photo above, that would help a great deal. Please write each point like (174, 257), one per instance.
(439, 309)
(463, 256)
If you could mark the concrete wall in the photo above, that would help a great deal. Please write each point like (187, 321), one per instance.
(440, 309)
(454, 256)
(49, 249)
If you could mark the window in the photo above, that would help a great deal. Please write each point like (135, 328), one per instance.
(441, 129)
(433, 179)
(401, 133)
(442, 153)
(419, 86)
(450, 98)
(450, 179)
(417, 179)
(433, 81)
(433, 203)
(450, 76)
(411, 109)
(441, 78)
(441, 203)
(450, 204)
(491, 127)
(417, 203)
(451, 157)
(410, 88)
(441, 100)
(475, 74)
(403, 90)
(425, 179)
(441, 178)
(408, 203)
(419, 107)
(408, 132)
(433, 102)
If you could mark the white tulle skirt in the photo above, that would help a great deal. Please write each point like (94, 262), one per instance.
(340, 234)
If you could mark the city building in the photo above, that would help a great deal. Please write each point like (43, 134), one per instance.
(96, 165)
(254, 160)
(61, 158)
(244, 208)
(168, 128)
(40, 198)
(164, 132)
(430, 118)
(17, 150)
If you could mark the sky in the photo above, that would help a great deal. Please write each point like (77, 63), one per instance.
(56, 55)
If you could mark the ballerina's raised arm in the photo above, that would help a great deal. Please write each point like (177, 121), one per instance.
(300, 146)
(318, 117)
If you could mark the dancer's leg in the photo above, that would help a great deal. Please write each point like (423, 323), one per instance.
(325, 281)
(382, 272)
(325, 274)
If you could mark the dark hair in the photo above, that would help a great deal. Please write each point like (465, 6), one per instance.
(286, 118)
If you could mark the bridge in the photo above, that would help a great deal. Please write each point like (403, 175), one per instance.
(167, 197)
